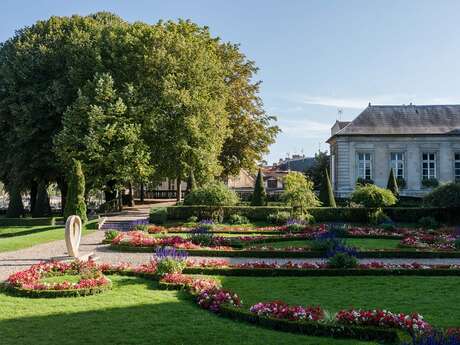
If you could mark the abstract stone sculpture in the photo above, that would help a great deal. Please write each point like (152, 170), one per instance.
(73, 235)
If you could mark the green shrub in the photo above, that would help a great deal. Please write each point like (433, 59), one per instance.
(29, 221)
(388, 226)
(158, 215)
(298, 191)
(326, 193)
(392, 184)
(110, 234)
(340, 230)
(141, 227)
(75, 201)
(259, 197)
(457, 243)
(238, 219)
(215, 194)
(428, 222)
(447, 195)
(308, 218)
(342, 260)
(431, 182)
(279, 218)
(170, 265)
(192, 219)
(372, 196)
(363, 181)
(295, 226)
(377, 217)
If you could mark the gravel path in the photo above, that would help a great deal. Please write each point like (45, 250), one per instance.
(21, 259)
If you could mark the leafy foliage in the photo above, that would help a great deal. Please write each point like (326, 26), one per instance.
(238, 219)
(446, 195)
(213, 193)
(158, 215)
(392, 184)
(279, 218)
(259, 197)
(75, 204)
(316, 172)
(298, 191)
(326, 193)
(428, 222)
(370, 195)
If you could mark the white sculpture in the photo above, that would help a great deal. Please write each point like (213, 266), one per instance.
(73, 235)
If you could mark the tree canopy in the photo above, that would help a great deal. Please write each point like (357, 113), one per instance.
(131, 101)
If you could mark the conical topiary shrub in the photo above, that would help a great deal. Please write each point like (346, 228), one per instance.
(75, 204)
(326, 194)
(392, 184)
(259, 197)
(15, 205)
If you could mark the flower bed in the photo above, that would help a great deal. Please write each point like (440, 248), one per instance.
(442, 241)
(30, 282)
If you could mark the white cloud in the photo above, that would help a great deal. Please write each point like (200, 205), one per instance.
(305, 128)
(361, 102)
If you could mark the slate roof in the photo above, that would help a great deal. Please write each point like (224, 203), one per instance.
(301, 164)
(405, 120)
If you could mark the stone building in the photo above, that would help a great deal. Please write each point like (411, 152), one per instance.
(420, 143)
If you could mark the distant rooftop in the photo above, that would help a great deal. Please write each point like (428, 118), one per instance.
(403, 120)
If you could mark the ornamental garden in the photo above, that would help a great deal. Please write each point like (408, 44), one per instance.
(304, 269)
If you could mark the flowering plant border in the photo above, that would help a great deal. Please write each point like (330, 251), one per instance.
(28, 282)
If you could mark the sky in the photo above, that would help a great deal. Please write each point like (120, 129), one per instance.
(315, 57)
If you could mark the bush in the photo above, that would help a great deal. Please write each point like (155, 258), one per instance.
(377, 217)
(279, 218)
(457, 243)
(428, 223)
(308, 218)
(158, 215)
(110, 234)
(340, 230)
(326, 242)
(75, 201)
(141, 227)
(170, 265)
(215, 194)
(298, 191)
(259, 197)
(342, 260)
(237, 219)
(447, 195)
(431, 182)
(202, 234)
(372, 196)
(192, 219)
(364, 181)
(294, 225)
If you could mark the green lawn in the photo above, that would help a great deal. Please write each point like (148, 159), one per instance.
(436, 298)
(24, 241)
(354, 242)
(134, 313)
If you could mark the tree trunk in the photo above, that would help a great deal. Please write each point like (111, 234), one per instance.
(178, 190)
(110, 193)
(142, 192)
(131, 197)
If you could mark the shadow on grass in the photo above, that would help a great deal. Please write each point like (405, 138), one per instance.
(131, 314)
(29, 231)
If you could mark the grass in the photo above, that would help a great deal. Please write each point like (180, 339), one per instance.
(43, 234)
(59, 279)
(134, 312)
(436, 298)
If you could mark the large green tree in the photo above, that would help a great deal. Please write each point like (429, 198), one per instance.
(316, 171)
(100, 132)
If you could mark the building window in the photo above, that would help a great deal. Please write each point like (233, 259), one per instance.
(365, 166)
(397, 164)
(457, 167)
(272, 184)
(428, 165)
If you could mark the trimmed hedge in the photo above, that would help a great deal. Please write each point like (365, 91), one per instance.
(330, 272)
(389, 335)
(29, 221)
(370, 254)
(321, 214)
(313, 328)
(55, 293)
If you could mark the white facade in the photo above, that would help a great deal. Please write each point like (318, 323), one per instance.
(413, 158)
